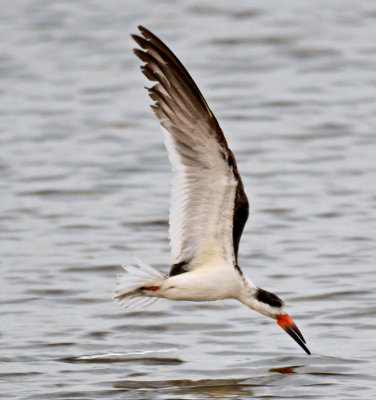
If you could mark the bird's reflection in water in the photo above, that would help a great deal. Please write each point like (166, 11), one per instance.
(206, 388)
(217, 390)
(285, 370)
(209, 388)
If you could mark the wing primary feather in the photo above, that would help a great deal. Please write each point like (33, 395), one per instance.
(209, 206)
(158, 44)
(172, 83)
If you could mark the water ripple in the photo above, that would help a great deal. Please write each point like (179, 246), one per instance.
(85, 182)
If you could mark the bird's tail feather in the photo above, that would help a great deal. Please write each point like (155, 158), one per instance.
(130, 287)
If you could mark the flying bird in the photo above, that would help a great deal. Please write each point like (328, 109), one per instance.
(209, 207)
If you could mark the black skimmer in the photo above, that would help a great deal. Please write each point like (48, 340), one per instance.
(209, 207)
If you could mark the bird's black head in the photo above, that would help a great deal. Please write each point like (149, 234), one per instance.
(269, 298)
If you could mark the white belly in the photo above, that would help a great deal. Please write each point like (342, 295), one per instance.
(203, 284)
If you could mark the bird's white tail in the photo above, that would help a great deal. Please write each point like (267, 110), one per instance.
(131, 288)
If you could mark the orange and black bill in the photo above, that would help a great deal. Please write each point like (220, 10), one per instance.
(288, 325)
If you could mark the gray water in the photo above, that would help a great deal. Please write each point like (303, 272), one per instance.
(84, 184)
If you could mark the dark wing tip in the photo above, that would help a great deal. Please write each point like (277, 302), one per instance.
(140, 41)
(141, 54)
(146, 35)
(134, 36)
(146, 32)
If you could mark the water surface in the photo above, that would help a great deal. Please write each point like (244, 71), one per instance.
(84, 184)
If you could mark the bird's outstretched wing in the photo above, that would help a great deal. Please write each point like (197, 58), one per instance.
(208, 205)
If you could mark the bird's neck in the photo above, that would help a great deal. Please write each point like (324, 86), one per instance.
(247, 293)
(248, 296)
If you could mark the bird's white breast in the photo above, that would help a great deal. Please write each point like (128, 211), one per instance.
(203, 284)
